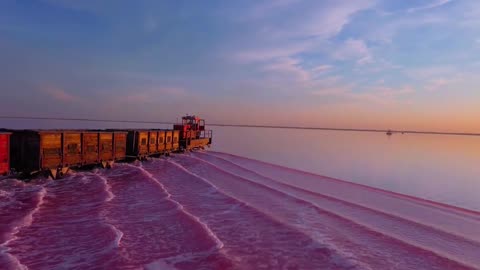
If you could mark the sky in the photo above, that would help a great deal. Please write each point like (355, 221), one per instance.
(353, 64)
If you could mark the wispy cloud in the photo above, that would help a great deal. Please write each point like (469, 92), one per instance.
(328, 21)
(430, 72)
(380, 95)
(321, 68)
(437, 84)
(270, 53)
(58, 93)
(354, 49)
(432, 4)
(279, 48)
(267, 7)
(288, 67)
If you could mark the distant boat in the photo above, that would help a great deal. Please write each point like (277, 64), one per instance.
(389, 132)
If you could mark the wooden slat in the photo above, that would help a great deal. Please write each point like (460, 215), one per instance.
(72, 149)
(106, 146)
(51, 150)
(90, 148)
(120, 145)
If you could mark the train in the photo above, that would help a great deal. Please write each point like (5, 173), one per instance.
(54, 152)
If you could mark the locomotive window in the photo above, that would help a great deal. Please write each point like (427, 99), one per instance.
(175, 139)
(91, 148)
(169, 139)
(160, 139)
(144, 141)
(152, 141)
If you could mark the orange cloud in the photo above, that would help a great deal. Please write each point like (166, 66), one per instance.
(58, 94)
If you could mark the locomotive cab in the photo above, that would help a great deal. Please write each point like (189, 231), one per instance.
(193, 134)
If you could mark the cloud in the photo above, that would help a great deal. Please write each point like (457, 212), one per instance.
(432, 4)
(267, 7)
(437, 84)
(279, 47)
(58, 94)
(154, 93)
(379, 95)
(387, 30)
(328, 22)
(270, 53)
(288, 67)
(354, 49)
(321, 68)
(436, 78)
(431, 72)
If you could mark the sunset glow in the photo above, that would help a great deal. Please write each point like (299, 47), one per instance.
(355, 64)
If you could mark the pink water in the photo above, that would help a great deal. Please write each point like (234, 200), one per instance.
(218, 211)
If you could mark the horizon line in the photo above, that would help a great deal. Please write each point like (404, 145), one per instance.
(246, 125)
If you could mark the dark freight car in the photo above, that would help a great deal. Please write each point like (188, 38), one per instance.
(137, 143)
(35, 151)
(58, 150)
(4, 153)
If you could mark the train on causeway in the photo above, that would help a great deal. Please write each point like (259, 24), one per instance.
(24, 153)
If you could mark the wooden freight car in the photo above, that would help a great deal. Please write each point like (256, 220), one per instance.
(4, 153)
(111, 147)
(56, 151)
(152, 142)
(137, 144)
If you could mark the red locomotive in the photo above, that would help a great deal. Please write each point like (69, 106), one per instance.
(193, 134)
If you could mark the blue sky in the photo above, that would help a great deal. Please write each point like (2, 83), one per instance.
(365, 63)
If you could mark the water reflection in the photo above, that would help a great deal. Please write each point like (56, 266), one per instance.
(436, 167)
